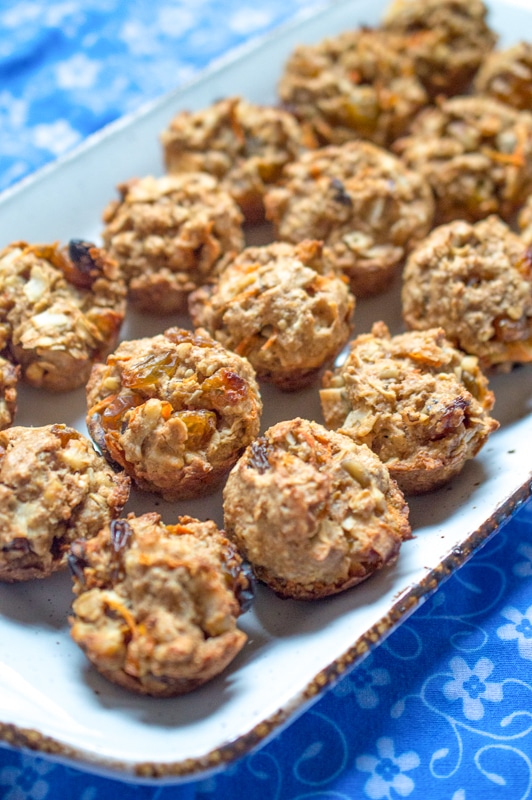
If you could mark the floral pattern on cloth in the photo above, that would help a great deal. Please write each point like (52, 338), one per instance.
(442, 709)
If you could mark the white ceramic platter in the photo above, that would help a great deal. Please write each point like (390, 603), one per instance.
(50, 698)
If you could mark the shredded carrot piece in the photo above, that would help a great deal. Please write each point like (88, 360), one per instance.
(147, 560)
(515, 159)
(245, 345)
(123, 611)
(269, 342)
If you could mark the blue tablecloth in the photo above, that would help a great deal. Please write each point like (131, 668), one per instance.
(443, 708)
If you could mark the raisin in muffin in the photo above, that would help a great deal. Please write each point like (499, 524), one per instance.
(474, 280)
(278, 306)
(170, 235)
(54, 488)
(362, 202)
(175, 411)
(447, 40)
(61, 310)
(313, 511)
(157, 605)
(421, 405)
(506, 75)
(476, 153)
(359, 84)
(9, 377)
(243, 145)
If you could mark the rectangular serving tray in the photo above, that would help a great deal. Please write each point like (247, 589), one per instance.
(51, 700)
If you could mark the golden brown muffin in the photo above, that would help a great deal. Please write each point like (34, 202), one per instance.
(281, 308)
(243, 145)
(9, 376)
(525, 222)
(359, 84)
(312, 511)
(362, 202)
(447, 40)
(61, 309)
(476, 282)
(156, 605)
(476, 153)
(506, 75)
(54, 488)
(170, 235)
(175, 411)
(418, 403)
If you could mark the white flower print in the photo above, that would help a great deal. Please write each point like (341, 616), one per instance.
(77, 72)
(524, 568)
(471, 686)
(25, 782)
(248, 20)
(520, 628)
(13, 111)
(387, 771)
(362, 683)
(56, 137)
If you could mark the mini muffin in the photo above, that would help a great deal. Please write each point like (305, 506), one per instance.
(474, 280)
(421, 405)
(313, 511)
(525, 222)
(278, 306)
(54, 488)
(175, 411)
(359, 84)
(9, 376)
(61, 310)
(506, 75)
(447, 39)
(243, 145)
(476, 153)
(156, 605)
(362, 202)
(170, 235)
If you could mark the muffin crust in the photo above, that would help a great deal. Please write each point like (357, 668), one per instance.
(54, 488)
(312, 511)
(421, 405)
(174, 410)
(281, 308)
(361, 201)
(475, 280)
(170, 235)
(61, 310)
(243, 145)
(156, 605)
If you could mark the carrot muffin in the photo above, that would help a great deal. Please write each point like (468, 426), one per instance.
(506, 75)
(312, 511)
(362, 202)
(421, 405)
(525, 222)
(243, 145)
(476, 153)
(447, 40)
(474, 280)
(175, 411)
(170, 235)
(54, 488)
(61, 309)
(157, 605)
(359, 84)
(281, 308)
(9, 375)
